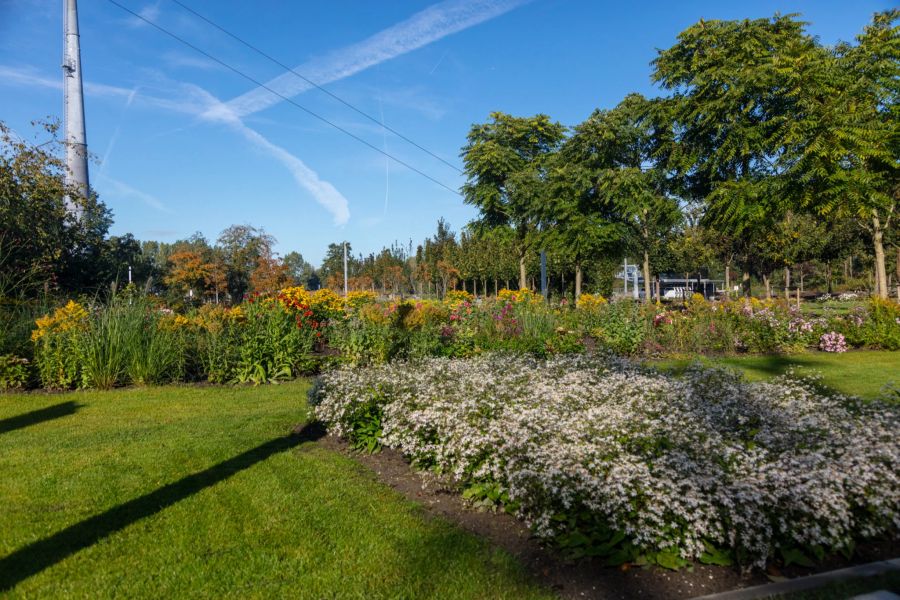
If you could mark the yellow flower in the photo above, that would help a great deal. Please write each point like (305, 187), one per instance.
(326, 302)
(70, 316)
(590, 301)
(519, 296)
(456, 297)
(355, 300)
(297, 294)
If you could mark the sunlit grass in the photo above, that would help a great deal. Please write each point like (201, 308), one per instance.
(863, 372)
(201, 491)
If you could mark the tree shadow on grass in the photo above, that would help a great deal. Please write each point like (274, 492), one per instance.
(774, 365)
(35, 557)
(63, 409)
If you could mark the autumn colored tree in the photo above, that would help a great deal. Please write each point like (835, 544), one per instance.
(187, 271)
(270, 275)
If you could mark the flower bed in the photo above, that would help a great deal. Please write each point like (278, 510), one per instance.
(133, 339)
(608, 460)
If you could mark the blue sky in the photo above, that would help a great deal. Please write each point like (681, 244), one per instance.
(184, 145)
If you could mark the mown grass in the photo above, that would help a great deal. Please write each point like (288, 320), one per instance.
(202, 492)
(863, 372)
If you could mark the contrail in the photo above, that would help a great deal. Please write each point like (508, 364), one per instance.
(421, 29)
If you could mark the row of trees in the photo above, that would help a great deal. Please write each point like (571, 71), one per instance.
(771, 152)
(770, 134)
(42, 248)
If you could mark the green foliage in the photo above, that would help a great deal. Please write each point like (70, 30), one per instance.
(621, 327)
(111, 344)
(14, 372)
(364, 425)
(158, 355)
(875, 326)
(219, 350)
(41, 242)
(271, 346)
(58, 361)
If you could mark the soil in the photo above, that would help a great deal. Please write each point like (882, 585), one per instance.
(570, 579)
(585, 578)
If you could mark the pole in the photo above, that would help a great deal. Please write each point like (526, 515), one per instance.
(544, 274)
(625, 276)
(73, 99)
(345, 269)
(129, 274)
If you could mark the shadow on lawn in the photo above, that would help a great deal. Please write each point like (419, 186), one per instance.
(776, 364)
(40, 415)
(34, 558)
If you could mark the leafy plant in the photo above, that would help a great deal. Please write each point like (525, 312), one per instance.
(14, 372)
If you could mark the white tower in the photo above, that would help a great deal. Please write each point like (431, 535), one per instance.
(75, 138)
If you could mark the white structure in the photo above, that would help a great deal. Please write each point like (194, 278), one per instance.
(75, 138)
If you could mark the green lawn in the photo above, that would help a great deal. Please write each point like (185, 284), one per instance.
(863, 373)
(202, 492)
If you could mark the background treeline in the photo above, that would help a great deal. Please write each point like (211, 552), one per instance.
(770, 158)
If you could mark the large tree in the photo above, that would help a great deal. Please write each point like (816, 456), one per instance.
(41, 243)
(614, 157)
(735, 92)
(505, 162)
(843, 142)
(241, 247)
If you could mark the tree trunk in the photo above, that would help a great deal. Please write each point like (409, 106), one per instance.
(495, 286)
(828, 276)
(768, 285)
(578, 276)
(897, 270)
(746, 284)
(647, 294)
(787, 284)
(727, 279)
(880, 270)
(523, 278)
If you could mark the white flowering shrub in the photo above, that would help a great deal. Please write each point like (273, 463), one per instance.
(611, 460)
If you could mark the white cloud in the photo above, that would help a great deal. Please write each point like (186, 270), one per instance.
(180, 60)
(195, 101)
(114, 187)
(149, 12)
(423, 28)
(322, 191)
(28, 77)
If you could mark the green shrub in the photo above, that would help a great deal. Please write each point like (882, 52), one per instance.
(621, 327)
(272, 344)
(14, 372)
(109, 344)
(56, 348)
(157, 354)
(218, 351)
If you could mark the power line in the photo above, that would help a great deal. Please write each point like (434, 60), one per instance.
(316, 85)
(255, 81)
